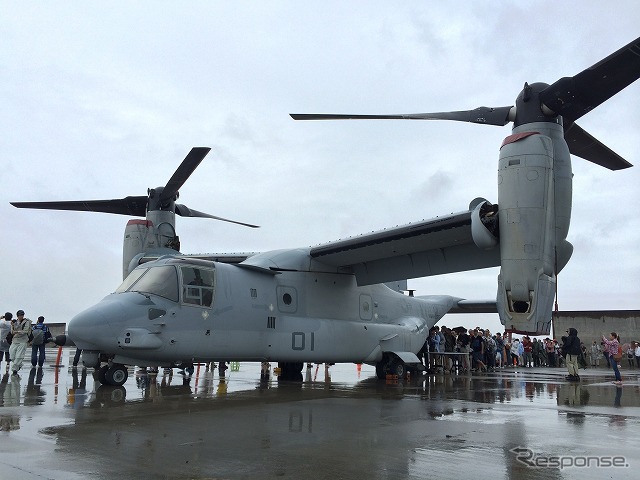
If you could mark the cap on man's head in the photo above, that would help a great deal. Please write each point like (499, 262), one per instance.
(41, 318)
(19, 312)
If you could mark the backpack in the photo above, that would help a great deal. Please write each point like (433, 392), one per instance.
(618, 355)
(37, 336)
(490, 345)
(29, 333)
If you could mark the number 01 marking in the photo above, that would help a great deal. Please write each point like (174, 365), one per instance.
(298, 341)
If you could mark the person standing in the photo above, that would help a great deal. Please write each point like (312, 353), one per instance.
(20, 328)
(500, 353)
(595, 354)
(41, 335)
(637, 354)
(551, 352)
(611, 352)
(76, 358)
(527, 348)
(535, 352)
(5, 328)
(572, 351)
(477, 351)
(630, 355)
(463, 341)
(515, 353)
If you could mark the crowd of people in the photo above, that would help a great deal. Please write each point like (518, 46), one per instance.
(16, 334)
(461, 350)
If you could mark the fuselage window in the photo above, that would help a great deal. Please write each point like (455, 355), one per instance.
(161, 281)
(197, 286)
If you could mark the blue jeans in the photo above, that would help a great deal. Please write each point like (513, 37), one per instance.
(37, 350)
(614, 365)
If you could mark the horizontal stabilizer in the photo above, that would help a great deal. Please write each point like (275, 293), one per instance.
(475, 306)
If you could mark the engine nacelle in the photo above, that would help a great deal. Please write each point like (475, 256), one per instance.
(527, 222)
(155, 234)
(484, 224)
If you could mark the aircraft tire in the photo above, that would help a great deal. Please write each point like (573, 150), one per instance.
(291, 370)
(116, 375)
(398, 367)
(102, 374)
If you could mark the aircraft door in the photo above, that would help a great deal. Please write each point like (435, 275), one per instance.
(192, 325)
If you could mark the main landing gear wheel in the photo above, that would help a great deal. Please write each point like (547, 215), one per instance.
(397, 367)
(391, 366)
(102, 374)
(116, 375)
(290, 370)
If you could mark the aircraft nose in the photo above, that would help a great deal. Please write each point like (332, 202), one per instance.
(93, 326)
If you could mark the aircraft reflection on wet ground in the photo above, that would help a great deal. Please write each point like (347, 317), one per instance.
(341, 422)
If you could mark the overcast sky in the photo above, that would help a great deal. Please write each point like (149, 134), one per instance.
(102, 100)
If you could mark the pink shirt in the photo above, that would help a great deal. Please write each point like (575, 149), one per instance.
(610, 346)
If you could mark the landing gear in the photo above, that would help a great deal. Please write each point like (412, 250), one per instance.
(115, 374)
(102, 374)
(290, 370)
(397, 367)
(391, 365)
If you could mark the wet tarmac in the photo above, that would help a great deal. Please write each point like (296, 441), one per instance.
(58, 423)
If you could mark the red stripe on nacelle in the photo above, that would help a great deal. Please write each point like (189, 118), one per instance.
(135, 221)
(517, 136)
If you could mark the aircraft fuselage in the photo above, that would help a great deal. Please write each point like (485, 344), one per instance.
(243, 314)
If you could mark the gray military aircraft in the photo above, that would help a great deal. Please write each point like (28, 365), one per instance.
(333, 303)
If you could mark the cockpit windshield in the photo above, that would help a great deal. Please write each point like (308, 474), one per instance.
(194, 282)
(161, 281)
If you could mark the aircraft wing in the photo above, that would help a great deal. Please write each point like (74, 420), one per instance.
(431, 247)
(211, 257)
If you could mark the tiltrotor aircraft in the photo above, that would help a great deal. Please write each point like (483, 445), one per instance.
(331, 303)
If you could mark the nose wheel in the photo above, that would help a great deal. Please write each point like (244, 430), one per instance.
(115, 374)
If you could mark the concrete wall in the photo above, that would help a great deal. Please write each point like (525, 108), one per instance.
(591, 325)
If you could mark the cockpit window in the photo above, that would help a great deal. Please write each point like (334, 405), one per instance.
(197, 286)
(131, 279)
(161, 281)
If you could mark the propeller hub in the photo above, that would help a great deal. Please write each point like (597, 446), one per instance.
(529, 108)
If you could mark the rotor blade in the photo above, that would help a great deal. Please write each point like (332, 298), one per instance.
(185, 211)
(491, 116)
(132, 206)
(184, 171)
(583, 145)
(572, 97)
